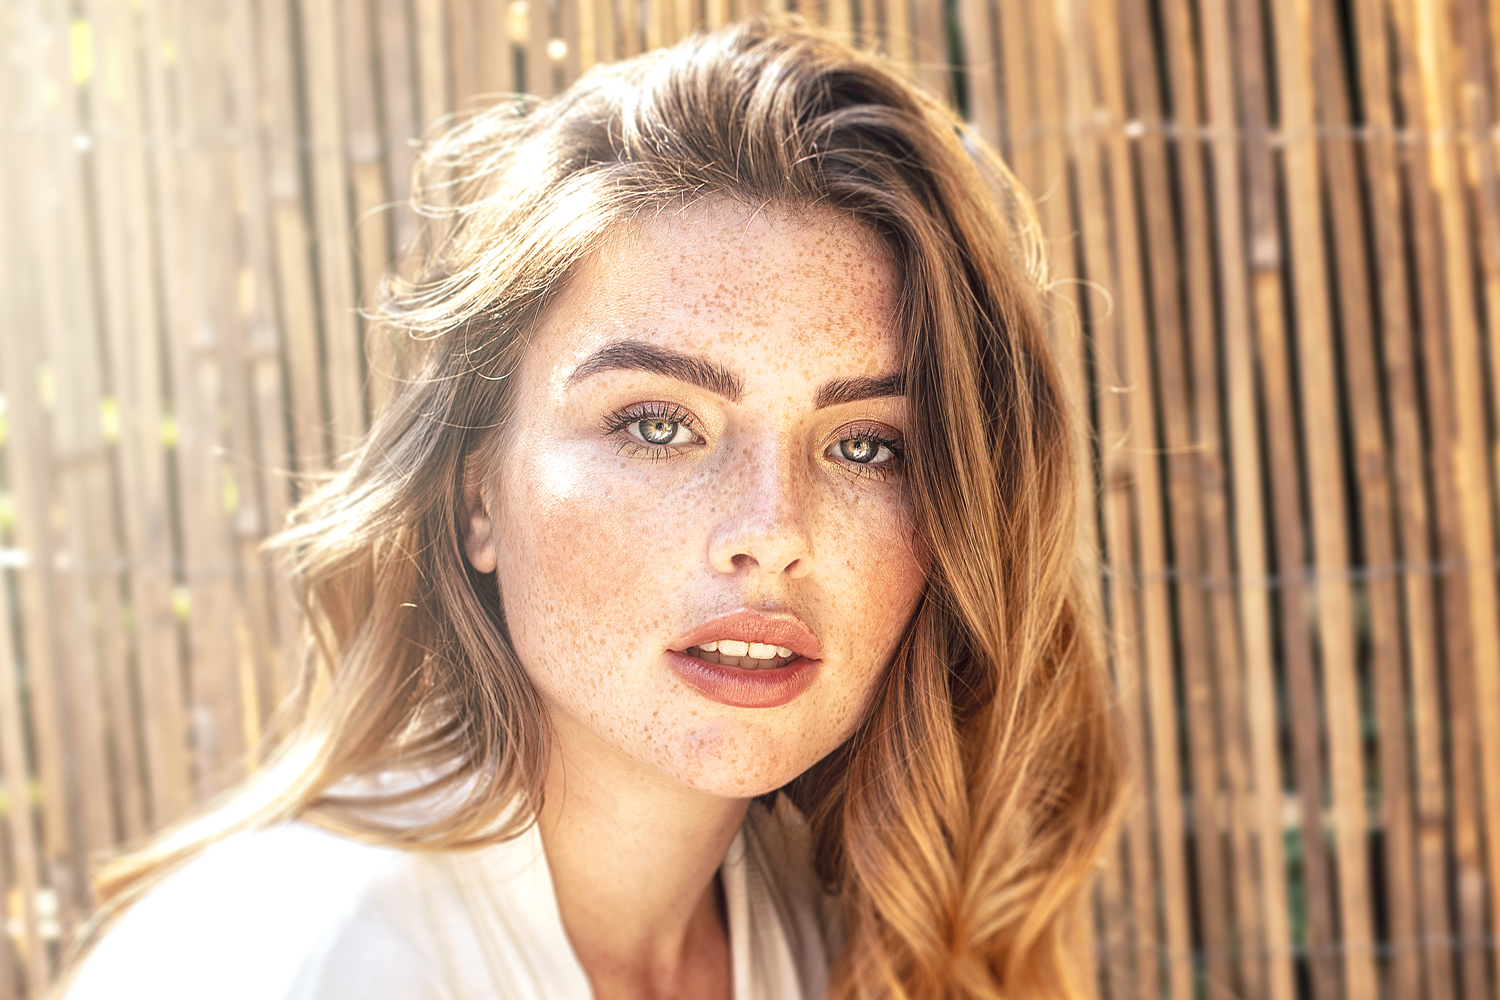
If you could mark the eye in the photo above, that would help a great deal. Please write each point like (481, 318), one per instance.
(660, 431)
(865, 450)
(868, 449)
(651, 430)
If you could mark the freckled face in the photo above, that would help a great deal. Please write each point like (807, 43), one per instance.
(633, 504)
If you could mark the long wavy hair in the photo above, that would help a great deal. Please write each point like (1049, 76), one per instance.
(967, 811)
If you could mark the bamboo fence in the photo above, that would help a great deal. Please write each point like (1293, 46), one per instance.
(1276, 248)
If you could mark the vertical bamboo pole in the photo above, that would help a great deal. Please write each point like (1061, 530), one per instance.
(606, 31)
(1283, 468)
(1022, 27)
(1467, 503)
(1425, 656)
(80, 477)
(538, 60)
(1476, 115)
(1135, 367)
(401, 128)
(434, 100)
(26, 854)
(365, 162)
(128, 253)
(29, 459)
(978, 20)
(1372, 477)
(1182, 493)
(263, 457)
(464, 48)
(194, 186)
(295, 268)
(1056, 215)
(1209, 471)
(930, 48)
(1118, 471)
(343, 358)
(1319, 396)
(1249, 516)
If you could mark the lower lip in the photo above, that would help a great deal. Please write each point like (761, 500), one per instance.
(741, 687)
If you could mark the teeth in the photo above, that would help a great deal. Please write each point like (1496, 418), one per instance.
(748, 655)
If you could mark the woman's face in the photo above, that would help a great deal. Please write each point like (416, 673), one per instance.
(706, 452)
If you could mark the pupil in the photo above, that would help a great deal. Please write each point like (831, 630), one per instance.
(658, 431)
(859, 450)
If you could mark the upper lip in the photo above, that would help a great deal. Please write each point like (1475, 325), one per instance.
(769, 628)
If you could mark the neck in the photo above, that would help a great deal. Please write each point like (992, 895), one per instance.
(633, 857)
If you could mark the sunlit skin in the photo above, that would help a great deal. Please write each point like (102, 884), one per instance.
(608, 547)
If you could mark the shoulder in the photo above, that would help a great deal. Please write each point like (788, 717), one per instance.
(242, 920)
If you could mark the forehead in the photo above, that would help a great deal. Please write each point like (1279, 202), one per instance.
(737, 283)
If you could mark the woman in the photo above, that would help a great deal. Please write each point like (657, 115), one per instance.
(703, 617)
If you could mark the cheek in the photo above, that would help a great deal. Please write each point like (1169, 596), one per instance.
(580, 551)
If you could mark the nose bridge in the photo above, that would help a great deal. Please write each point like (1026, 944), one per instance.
(764, 511)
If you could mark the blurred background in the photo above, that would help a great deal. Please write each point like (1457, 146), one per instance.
(1275, 228)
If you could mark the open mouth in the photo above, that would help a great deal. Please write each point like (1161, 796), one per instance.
(746, 655)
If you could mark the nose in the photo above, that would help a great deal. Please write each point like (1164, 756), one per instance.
(765, 524)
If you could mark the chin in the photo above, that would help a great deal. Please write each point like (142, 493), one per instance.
(731, 760)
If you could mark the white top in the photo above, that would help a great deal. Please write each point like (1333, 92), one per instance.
(296, 913)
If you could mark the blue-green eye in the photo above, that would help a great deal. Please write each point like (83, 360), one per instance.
(660, 431)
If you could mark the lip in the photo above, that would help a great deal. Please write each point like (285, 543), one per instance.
(756, 626)
(745, 687)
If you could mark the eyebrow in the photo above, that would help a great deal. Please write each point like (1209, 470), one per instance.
(635, 355)
(851, 390)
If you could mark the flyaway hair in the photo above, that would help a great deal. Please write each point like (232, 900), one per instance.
(962, 820)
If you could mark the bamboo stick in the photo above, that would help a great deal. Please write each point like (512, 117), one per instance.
(1135, 366)
(1466, 505)
(29, 462)
(1482, 457)
(1208, 471)
(1117, 477)
(606, 31)
(329, 171)
(433, 100)
(464, 58)
(1249, 517)
(574, 18)
(1426, 661)
(88, 591)
(25, 853)
(1372, 478)
(291, 240)
(930, 48)
(204, 394)
(1202, 726)
(365, 158)
(263, 455)
(978, 23)
(1022, 28)
(538, 60)
(1296, 638)
(396, 42)
(1319, 397)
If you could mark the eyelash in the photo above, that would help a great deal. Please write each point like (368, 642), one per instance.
(616, 422)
